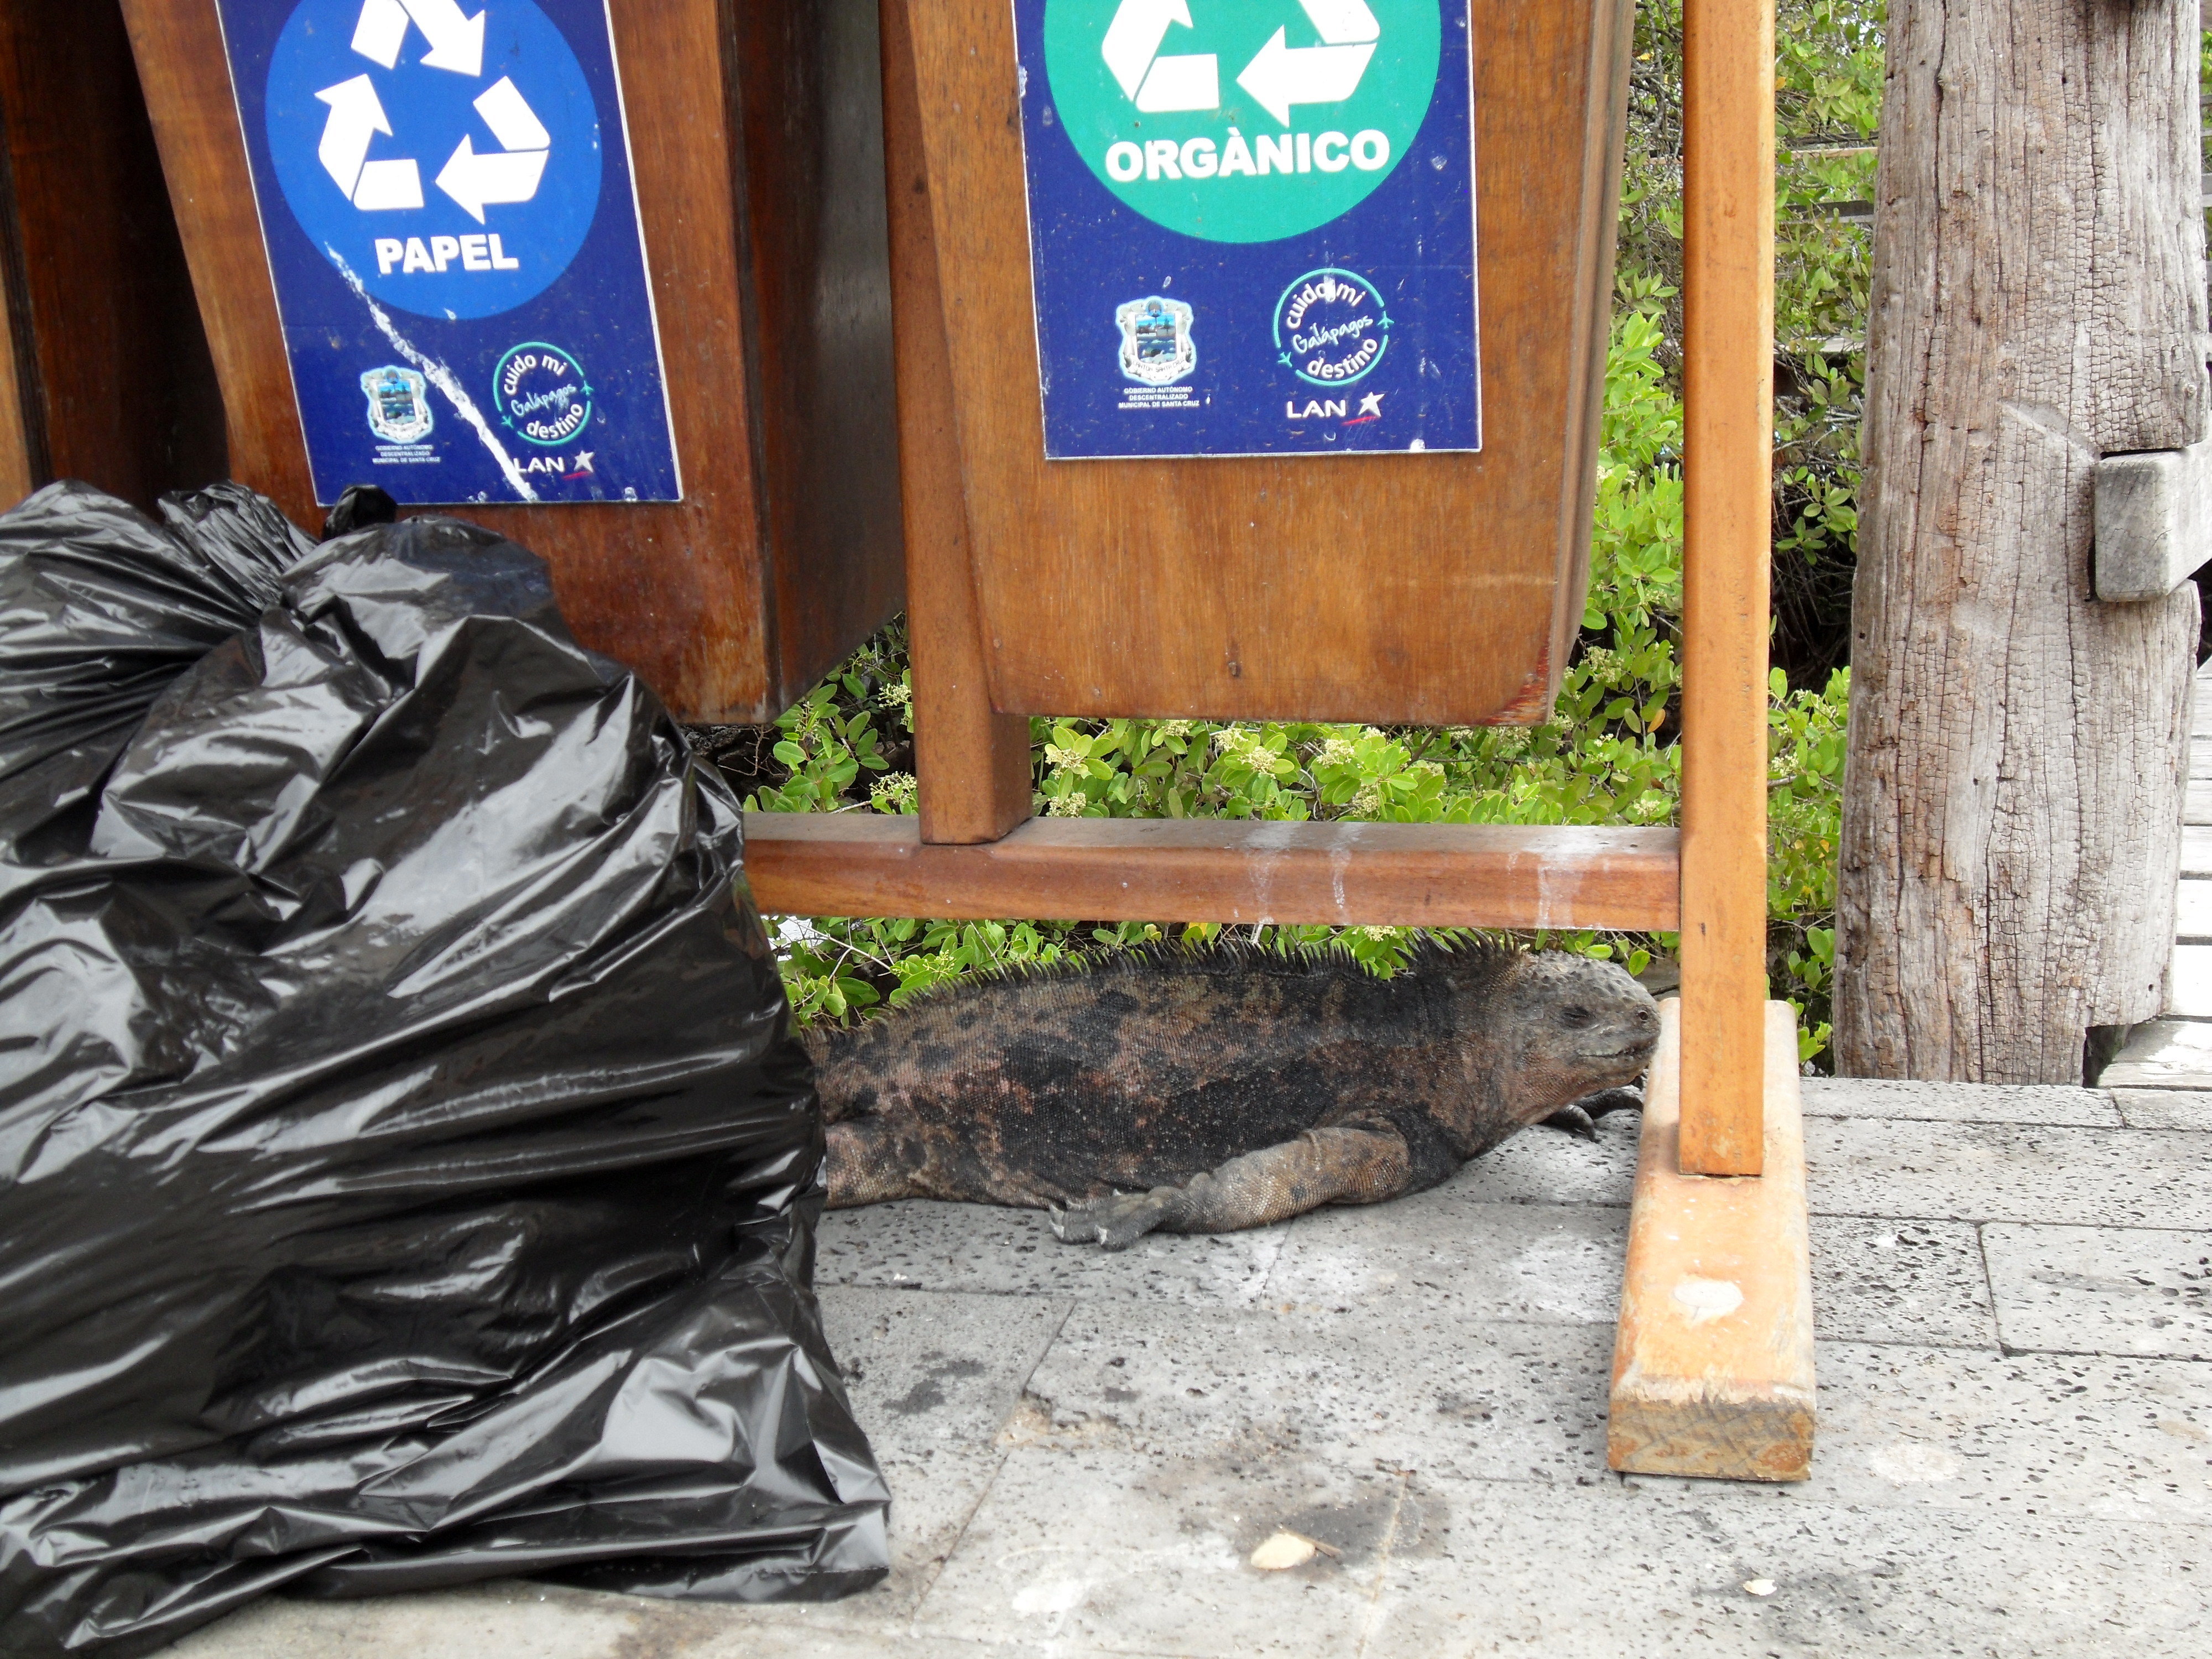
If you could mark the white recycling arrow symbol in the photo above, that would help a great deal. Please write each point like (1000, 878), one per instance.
(1154, 83)
(356, 114)
(456, 42)
(475, 178)
(1279, 76)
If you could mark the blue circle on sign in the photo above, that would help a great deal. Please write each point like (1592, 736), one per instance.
(453, 176)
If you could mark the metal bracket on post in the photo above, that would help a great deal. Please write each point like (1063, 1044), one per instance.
(2153, 522)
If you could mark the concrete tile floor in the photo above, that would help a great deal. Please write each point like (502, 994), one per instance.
(2015, 1308)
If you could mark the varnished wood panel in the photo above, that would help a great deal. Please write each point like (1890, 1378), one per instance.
(1439, 588)
(774, 322)
(19, 472)
(110, 381)
(178, 47)
(807, 77)
(1430, 875)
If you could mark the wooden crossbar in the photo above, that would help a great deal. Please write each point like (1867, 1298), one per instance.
(1428, 875)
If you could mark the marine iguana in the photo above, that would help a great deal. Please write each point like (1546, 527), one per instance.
(1203, 1091)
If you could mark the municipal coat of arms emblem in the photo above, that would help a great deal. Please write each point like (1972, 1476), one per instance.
(398, 404)
(1156, 344)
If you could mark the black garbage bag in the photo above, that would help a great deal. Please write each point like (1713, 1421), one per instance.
(406, 1174)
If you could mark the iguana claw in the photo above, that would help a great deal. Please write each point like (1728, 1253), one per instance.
(1627, 1099)
(1580, 1118)
(1112, 1223)
(1574, 1121)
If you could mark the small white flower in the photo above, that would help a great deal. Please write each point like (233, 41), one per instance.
(895, 791)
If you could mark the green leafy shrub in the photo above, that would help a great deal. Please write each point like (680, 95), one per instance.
(1607, 755)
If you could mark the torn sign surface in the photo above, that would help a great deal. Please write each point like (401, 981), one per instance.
(447, 206)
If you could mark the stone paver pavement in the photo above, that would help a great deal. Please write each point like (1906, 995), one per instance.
(2015, 1456)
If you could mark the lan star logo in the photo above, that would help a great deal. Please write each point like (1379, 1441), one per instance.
(1371, 403)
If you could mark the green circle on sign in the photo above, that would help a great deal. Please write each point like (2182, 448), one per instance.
(1242, 121)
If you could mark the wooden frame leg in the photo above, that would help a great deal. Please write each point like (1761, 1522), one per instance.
(1713, 1362)
(972, 763)
(1728, 296)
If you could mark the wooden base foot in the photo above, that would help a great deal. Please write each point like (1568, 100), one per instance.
(1713, 1369)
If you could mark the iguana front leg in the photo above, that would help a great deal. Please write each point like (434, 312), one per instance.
(1580, 1117)
(1332, 1165)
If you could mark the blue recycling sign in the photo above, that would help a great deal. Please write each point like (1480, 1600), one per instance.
(1252, 225)
(447, 202)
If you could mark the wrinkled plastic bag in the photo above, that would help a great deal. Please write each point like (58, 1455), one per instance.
(406, 1175)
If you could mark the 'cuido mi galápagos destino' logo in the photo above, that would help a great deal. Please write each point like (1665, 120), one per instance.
(541, 393)
(1331, 327)
(1242, 121)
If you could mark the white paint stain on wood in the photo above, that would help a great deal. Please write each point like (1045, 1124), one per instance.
(1709, 1298)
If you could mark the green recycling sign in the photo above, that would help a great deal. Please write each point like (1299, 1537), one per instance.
(1242, 121)
(1251, 226)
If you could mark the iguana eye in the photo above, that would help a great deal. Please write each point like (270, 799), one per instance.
(1575, 1014)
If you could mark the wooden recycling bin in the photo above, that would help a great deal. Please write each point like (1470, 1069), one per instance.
(609, 278)
(1353, 481)
(1251, 363)
(1441, 584)
(1173, 444)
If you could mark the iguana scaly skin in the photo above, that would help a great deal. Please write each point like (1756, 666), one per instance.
(1202, 1092)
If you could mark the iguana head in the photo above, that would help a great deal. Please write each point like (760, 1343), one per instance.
(1564, 1026)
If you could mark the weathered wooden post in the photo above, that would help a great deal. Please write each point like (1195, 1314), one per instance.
(2013, 791)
